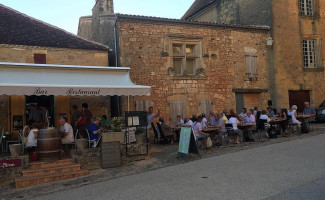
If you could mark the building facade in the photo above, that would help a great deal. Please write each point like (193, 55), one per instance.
(296, 56)
(192, 67)
(27, 40)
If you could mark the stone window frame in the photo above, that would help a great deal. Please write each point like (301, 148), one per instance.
(319, 54)
(306, 7)
(175, 39)
(310, 53)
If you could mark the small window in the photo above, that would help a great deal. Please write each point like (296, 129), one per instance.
(306, 7)
(185, 64)
(251, 65)
(309, 50)
(40, 58)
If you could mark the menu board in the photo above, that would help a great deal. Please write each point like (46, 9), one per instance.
(184, 140)
(18, 122)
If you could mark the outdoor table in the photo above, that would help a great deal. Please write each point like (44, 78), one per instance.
(212, 131)
(247, 129)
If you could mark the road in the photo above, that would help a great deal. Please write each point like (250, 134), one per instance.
(288, 170)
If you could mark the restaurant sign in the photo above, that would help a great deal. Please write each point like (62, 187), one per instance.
(67, 91)
(12, 163)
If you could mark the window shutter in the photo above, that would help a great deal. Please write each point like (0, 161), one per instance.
(251, 65)
(205, 107)
(177, 107)
(143, 105)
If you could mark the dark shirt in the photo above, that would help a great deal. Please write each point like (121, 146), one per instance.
(93, 127)
(36, 115)
(75, 116)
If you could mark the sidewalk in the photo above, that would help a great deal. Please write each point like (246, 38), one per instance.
(166, 155)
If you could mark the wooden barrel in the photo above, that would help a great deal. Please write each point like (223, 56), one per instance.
(49, 144)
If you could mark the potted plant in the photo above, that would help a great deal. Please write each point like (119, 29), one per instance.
(117, 135)
(118, 124)
(140, 136)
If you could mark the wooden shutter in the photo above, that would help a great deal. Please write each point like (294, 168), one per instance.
(205, 107)
(40, 58)
(143, 105)
(177, 107)
(251, 65)
(17, 107)
(62, 107)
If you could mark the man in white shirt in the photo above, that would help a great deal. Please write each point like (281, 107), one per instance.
(243, 114)
(264, 116)
(189, 122)
(234, 121)
(250, 119)
(66, 130)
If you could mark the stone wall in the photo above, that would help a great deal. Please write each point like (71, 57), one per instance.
(290, 28)
(246, 12)
(25, 54)
(146, 47)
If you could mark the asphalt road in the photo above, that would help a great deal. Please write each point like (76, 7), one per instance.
(289, 170)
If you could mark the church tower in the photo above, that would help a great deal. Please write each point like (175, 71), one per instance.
(105, 7)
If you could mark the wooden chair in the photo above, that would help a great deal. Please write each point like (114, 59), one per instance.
(230, 131)
(155, 132)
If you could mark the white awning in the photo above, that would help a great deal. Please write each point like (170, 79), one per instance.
(50, 79)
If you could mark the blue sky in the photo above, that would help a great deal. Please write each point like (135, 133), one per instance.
(65, 13)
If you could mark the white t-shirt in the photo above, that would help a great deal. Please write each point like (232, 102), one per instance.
(234, 121)
(197, 128)
(189, 123)
(292, 114)
(67, 128)
(31, 140)
(179, 123)
(265, 117)
(204, 122)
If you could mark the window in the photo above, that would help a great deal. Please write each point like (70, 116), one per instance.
(251, 65)
(143, 105)
(309, 50)
(306, 7)
(185, 59)
(40, 58)
(205, 107)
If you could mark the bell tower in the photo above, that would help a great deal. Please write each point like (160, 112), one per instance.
(106, 7)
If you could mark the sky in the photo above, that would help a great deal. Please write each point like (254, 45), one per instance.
(65, 13)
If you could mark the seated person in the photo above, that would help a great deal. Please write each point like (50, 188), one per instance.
(189, 122)
(212, 121)
(270, 111)
(282, 114)
(242, 115)
(31, 140)
(234, 121)
(105, 123)
(220, 123)
(168, 131)
(224, 117)
(293, 113)
(264, 116)
(310, 111)
(198, 133)
(250, 119)
(94, 131)
(179, 122)
(66, 131)
(204, 121)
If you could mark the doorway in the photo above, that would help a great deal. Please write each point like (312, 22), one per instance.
(41, 101)
(298, 98)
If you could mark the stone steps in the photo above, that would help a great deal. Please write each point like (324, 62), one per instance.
(37, 180)
(51, 170)
(46, 172)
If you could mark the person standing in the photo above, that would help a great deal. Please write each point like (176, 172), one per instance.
(35, 114)
(152, 116)
(84, 120)
(75, 116)
(94, 131)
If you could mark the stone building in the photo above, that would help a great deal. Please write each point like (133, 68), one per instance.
(27, 40)
(192, 67)
(296, 57)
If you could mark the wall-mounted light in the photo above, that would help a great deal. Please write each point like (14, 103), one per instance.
(269, 41)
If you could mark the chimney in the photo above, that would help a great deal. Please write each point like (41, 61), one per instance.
(106, 7)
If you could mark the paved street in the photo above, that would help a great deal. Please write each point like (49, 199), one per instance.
(288, 170)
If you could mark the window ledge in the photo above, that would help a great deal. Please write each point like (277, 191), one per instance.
(318, 69)
(310, 17)
(188, 78)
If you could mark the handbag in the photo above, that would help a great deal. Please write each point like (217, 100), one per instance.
(209, 142)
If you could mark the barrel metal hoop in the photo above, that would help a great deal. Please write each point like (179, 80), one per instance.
(46, 139)
(54, 151)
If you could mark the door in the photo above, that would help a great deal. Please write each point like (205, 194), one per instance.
(62, 108)
(239, 102)
(17, 108)
(251, 100)
(298, 98)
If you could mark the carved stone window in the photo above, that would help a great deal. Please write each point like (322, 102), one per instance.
(309, 50)
(306, 7)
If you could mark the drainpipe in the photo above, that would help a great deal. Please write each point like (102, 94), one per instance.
(115, 41)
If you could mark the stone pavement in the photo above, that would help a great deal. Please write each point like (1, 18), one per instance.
(236, 161)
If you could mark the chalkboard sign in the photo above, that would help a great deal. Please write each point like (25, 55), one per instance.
(187, 143)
